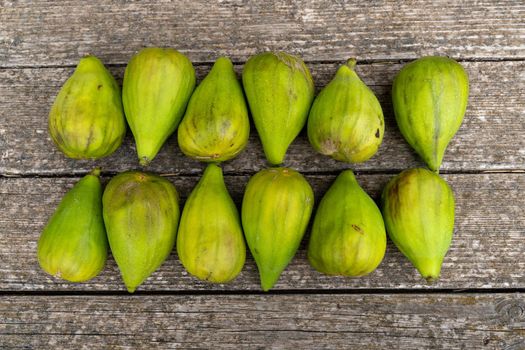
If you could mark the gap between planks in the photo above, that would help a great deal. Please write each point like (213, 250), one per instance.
(250, 173)
(210, 63)
(367, 291)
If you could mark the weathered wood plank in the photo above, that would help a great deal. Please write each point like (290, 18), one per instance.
(491, 137)
(486, 252)
(37, 33)
(413, 321)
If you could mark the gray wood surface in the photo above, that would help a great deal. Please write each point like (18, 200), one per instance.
(40, 44)
(486, 252)
(362, 321)
(491, 137)
(36, 33)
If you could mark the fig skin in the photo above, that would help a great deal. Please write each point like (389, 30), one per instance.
(418, 209)
(429, 97)
(279, 89)
(210, 241)
(276, 209)
(141, 214)
(346, 120)
(73, 245)
(86, 120)
(157, 86)
(216, 126)
(348, 234)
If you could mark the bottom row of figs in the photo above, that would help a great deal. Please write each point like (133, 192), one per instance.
(138, 215)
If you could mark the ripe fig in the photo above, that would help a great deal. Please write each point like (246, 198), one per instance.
(141, 213)
(215, 127)
(348, 234)
(73, 245)
(279, 90)
(418, 208)
(430, 96)
(276, 208)
(86, 120)
(157, 86)
(210, 243)
(346, 119)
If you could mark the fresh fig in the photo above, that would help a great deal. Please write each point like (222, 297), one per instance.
(418, 208)
(276, 208)
(346, 119)
(215, 127)
(210, 243)
(86, 120)
(73, 245)
(348, 234)
(157, 86)
(279, 90)
(430, 96)
(141, 213)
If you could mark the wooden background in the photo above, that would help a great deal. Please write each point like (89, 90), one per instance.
(477, 304)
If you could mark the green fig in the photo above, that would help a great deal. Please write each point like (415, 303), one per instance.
(215, 127)
(430, 96)
(157, 86)
(73, 245)
(86, 120)
(418, 208)
(348, 234)
(279, 90)
(346, 119)
(276, 208)
(210, 243)
(141, 213)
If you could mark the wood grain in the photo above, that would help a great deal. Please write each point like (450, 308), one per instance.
(36, 33)
(41, 42)
(491, 137)
(486, 251)
(415, 321)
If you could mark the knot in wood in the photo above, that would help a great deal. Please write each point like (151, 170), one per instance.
(511, 310)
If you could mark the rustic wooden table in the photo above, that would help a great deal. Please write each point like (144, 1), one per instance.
(479, 301)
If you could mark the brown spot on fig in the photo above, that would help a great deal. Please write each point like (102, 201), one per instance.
(377, 133)
(208, 277)
(99, 87)
(358, 229)
(328, 147)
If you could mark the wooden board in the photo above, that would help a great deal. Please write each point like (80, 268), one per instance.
(39, 33)
(42, 41)
(414, 321)
(491, 137)
(486, 252)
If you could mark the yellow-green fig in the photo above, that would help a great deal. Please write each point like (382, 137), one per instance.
(346, 119)
(141, 213)
(215, 127)
(430, 96)
(418, 208)
(276, 208)
(157, 86)
(279, 90)
(210, 243)
(86, 120)
(348, 234)
(73, 245)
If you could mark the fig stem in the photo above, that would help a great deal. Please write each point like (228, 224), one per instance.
(95, 172)
(351, 62)
(144, 161)
(431, 279)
